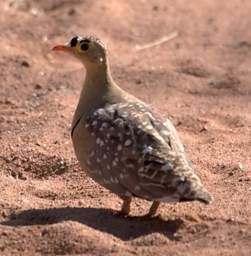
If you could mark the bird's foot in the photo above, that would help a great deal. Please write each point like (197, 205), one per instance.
(125, 209)
(152, 216)
(121, 213)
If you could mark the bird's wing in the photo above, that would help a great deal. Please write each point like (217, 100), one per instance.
(148, 155)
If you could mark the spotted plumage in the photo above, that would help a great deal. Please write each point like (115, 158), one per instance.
(125, 145)
(148, 160)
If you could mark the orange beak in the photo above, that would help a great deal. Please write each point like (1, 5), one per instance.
(60, 48)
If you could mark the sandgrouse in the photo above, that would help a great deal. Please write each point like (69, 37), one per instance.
(122, 143)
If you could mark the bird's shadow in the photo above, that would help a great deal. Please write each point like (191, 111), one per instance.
(99, 219)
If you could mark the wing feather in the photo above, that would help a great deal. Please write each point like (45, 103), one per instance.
(151, 160)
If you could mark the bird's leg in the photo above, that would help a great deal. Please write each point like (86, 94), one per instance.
(153, 209)
(125, 209)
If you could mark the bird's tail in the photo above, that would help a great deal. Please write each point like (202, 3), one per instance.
(199, 194)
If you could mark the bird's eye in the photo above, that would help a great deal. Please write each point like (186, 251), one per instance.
(74, 41)
(84, 46)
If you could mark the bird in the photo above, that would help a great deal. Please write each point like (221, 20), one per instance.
(124, 144)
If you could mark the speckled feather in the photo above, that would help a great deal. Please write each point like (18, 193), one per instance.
(138, 153)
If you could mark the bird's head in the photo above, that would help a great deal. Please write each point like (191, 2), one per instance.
(89, 50)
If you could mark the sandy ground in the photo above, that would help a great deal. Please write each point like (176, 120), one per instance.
(201, 80)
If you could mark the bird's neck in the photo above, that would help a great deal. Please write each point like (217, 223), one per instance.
(98, 80)
(98, 83)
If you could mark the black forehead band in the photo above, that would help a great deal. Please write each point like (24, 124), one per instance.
(86, 40)
(74, 41)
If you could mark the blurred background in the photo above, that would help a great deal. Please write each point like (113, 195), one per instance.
(189, 59)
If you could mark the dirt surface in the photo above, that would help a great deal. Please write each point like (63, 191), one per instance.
(201, 80)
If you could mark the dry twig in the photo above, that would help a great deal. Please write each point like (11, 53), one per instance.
(158, 42)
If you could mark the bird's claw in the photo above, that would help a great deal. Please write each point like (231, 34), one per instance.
(120, 213)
